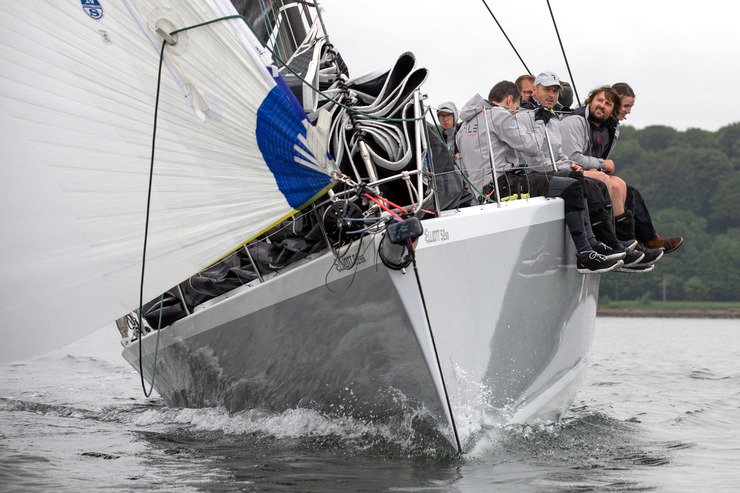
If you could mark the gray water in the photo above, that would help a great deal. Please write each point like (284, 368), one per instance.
(659, 411)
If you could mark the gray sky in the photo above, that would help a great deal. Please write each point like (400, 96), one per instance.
(680, 57)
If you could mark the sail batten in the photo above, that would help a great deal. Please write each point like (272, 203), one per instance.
(77, 110)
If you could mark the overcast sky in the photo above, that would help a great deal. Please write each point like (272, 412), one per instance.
(681, 58)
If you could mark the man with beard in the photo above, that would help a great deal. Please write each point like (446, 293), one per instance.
(546, 94)
(589, 136)
(596, 123)
(494, 125)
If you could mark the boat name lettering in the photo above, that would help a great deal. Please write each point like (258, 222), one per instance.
(430, 236)
(347, 263)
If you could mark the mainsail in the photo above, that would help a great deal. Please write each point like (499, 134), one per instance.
(233, 155)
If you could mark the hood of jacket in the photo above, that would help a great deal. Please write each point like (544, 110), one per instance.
(473, 107)
(449, 107)
(449, 134)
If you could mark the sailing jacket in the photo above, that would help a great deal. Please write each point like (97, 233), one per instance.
(578, 139)
(543, 161)
(509, 137)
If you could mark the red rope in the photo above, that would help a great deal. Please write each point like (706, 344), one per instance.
(390, 203)
(383, 206)
(374, 199)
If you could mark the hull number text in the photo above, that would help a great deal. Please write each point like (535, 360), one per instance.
(434, 235)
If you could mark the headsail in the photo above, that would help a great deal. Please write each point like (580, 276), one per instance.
(233, 157)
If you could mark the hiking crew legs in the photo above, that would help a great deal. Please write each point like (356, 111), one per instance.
(568, 188)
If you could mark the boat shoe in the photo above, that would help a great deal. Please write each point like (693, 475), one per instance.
(667, 244)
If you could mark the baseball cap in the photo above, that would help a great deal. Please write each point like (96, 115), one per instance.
(547, 79)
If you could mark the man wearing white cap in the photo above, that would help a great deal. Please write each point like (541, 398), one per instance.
(545, 96)
(493, 126)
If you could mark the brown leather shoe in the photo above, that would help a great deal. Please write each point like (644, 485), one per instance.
(667, 244)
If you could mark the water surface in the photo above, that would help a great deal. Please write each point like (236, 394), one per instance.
(658, 411)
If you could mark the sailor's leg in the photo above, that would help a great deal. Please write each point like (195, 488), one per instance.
(617, 188)
(590, 236)
(571, 191)
(643, 223)
(625, 226)
(599, 209)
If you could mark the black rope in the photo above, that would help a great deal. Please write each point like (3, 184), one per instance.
(572, 81)
(439, 363)
(507, 38)
(146, 233)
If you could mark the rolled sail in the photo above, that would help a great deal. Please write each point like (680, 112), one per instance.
(233, 155)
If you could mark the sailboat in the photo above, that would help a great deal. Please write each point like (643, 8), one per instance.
(312, 237)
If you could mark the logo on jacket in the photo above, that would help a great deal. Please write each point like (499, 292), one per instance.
(93, 8)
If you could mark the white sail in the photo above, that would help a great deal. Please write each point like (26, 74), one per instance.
(78, 85)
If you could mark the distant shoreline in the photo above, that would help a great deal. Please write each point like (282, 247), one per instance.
(617, 312)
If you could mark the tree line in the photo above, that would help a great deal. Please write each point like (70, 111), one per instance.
(691, 184)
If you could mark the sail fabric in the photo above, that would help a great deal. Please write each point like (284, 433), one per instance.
(79, 81)
(315, 66)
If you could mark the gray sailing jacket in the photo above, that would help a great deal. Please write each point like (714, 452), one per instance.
(449, 134)
(543, 161)
(510, 138)
(576, 134)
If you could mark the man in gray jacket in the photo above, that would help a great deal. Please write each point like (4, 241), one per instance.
(494, 117)
(447, 116)
(589, 136)
(552, 158)
(491, 140)
(545, 94)
(597, 124)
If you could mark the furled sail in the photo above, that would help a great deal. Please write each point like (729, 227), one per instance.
(234, 154)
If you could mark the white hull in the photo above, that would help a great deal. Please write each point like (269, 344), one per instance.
(511, 336)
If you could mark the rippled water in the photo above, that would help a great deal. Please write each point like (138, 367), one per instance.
(659, 411)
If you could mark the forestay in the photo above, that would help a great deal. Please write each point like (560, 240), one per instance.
(233, 157)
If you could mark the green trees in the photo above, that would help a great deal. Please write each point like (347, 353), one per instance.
(691, 184)
(729, 140)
